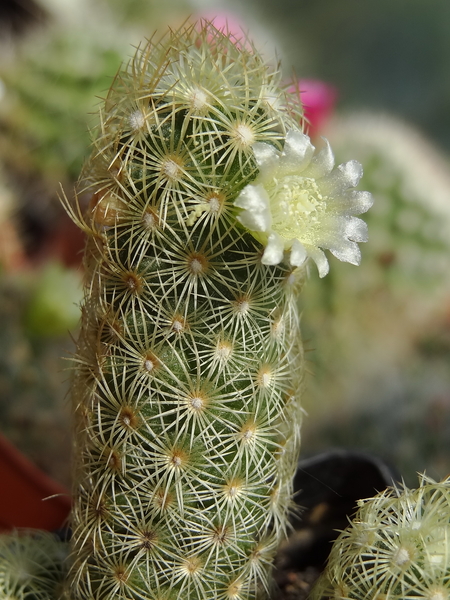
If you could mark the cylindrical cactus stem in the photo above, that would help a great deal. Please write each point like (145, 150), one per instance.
(187, 391)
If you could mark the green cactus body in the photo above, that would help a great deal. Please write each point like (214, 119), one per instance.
(190, 359)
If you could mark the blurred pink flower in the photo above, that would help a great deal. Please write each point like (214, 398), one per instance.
(318, 100)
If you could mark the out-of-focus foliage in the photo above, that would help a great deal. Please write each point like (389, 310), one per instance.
(36, 311)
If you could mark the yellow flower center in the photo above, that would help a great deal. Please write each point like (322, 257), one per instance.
(295, 203)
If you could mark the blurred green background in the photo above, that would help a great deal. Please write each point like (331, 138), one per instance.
(378, 336)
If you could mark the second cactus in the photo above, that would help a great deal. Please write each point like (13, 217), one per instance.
(205, 200)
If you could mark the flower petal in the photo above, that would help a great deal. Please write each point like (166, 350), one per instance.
(352, 171)
(266, 156)
(356, 230)
(321, 164)
(297, 153)
(347, 252)
(336, 229)
(343, 177)
(255, 201)
(319, 258)
(354, 202)
(273, 254)
(298, 254)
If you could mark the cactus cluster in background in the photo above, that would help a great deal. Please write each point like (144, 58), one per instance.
(396, 548)
(32, 565)
(53, 85)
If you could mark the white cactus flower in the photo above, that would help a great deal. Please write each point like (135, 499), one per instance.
(300, 203)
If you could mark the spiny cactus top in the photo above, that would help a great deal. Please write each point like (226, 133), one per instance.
(187, 392)
(396, 548)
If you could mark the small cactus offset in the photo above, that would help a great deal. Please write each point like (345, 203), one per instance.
(32, 565)
(397, 547)
(205, 200)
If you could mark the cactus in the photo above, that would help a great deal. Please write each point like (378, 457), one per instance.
(396, 547)
(205, 200)
(32, 565)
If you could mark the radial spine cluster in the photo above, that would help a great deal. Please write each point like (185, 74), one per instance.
(188, 384)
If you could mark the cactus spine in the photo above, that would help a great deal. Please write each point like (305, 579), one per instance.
(189, 369)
